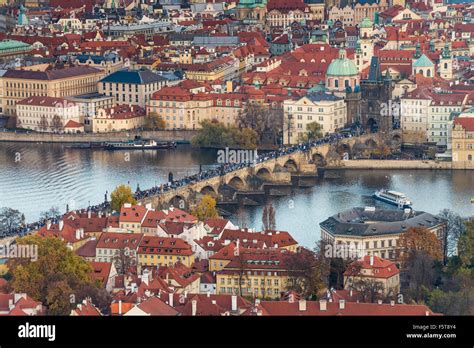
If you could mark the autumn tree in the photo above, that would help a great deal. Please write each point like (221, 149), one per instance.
(154, 122)
(206, 208)
(10, 219)
(371, 290)
(268, 217)
(417, 239)
(121, 195)
(53, 277)
(308, 272)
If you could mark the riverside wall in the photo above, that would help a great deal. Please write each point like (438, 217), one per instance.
(161, 135)
(402, 164)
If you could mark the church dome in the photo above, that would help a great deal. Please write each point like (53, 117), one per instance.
(366, 23)
(342, 66)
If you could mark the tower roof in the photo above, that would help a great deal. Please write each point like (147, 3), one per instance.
(423, 62)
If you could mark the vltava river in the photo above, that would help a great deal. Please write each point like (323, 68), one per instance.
(35, 177)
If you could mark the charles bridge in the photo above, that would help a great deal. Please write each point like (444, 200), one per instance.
(270, 177)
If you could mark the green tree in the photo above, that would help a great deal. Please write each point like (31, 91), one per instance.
(53, 277)
(216, 134)
(466, 245)
(315, 131)
(121, 195)
(206, 208)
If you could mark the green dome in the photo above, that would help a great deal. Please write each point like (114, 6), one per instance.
(366, 23)
(342, 66)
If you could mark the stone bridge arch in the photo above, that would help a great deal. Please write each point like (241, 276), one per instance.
(291, 165)
(318, 159)
(178, 200)
(264, 174)
(209, 190)
(237, 182)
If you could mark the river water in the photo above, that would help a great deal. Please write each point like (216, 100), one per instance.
(36, 177)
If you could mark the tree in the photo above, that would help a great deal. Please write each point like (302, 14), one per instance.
(52, 213)
(466, 245)
(216, 134)
(418, 239)
(10, 220)
(454, 230)
(99, 297)
(53, 277)
(154, 122)
(266, 122)
(420, 273)
(308, 272)
(43, 124)
(57, 123)
(121, 195)
(268, 217)
(206, 208)
(370, 289)
(123, 260)
(314, 130)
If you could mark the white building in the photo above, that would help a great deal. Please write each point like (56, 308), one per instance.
(47, 114)
(324, 108)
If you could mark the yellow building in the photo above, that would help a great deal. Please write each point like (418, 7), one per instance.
(57, 83)
(261, 272)
(225, 68)
(162, 251)
(463, 139)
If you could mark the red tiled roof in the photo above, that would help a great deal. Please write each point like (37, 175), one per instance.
(115, 240)
(381, 268)
(282, 308)
(466, 122)
(163, 245)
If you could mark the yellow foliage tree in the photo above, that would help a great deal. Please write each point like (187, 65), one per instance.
(206, 208)
(121, 195)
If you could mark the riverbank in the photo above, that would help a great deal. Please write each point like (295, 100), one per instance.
(402, 164)
(180, 136)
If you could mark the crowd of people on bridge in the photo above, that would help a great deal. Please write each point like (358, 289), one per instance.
(202, 175)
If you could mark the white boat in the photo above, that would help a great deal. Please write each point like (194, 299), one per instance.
(393, 197)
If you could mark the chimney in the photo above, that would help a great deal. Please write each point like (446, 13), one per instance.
(379, 301)
(322, 305)
(427, 313)
(148, 206)
(78, 233)
(302, 305)
(234, 303)
(170, 299)
(48, 225)
(371, 260)
(342, 304)
(120, 307)
(194, 307)
(259, 312)
(350, 292)
(89, 214)
(61, 225)
(392, 303)
(208, 294)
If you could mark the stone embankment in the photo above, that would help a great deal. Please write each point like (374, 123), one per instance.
(162, 135)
